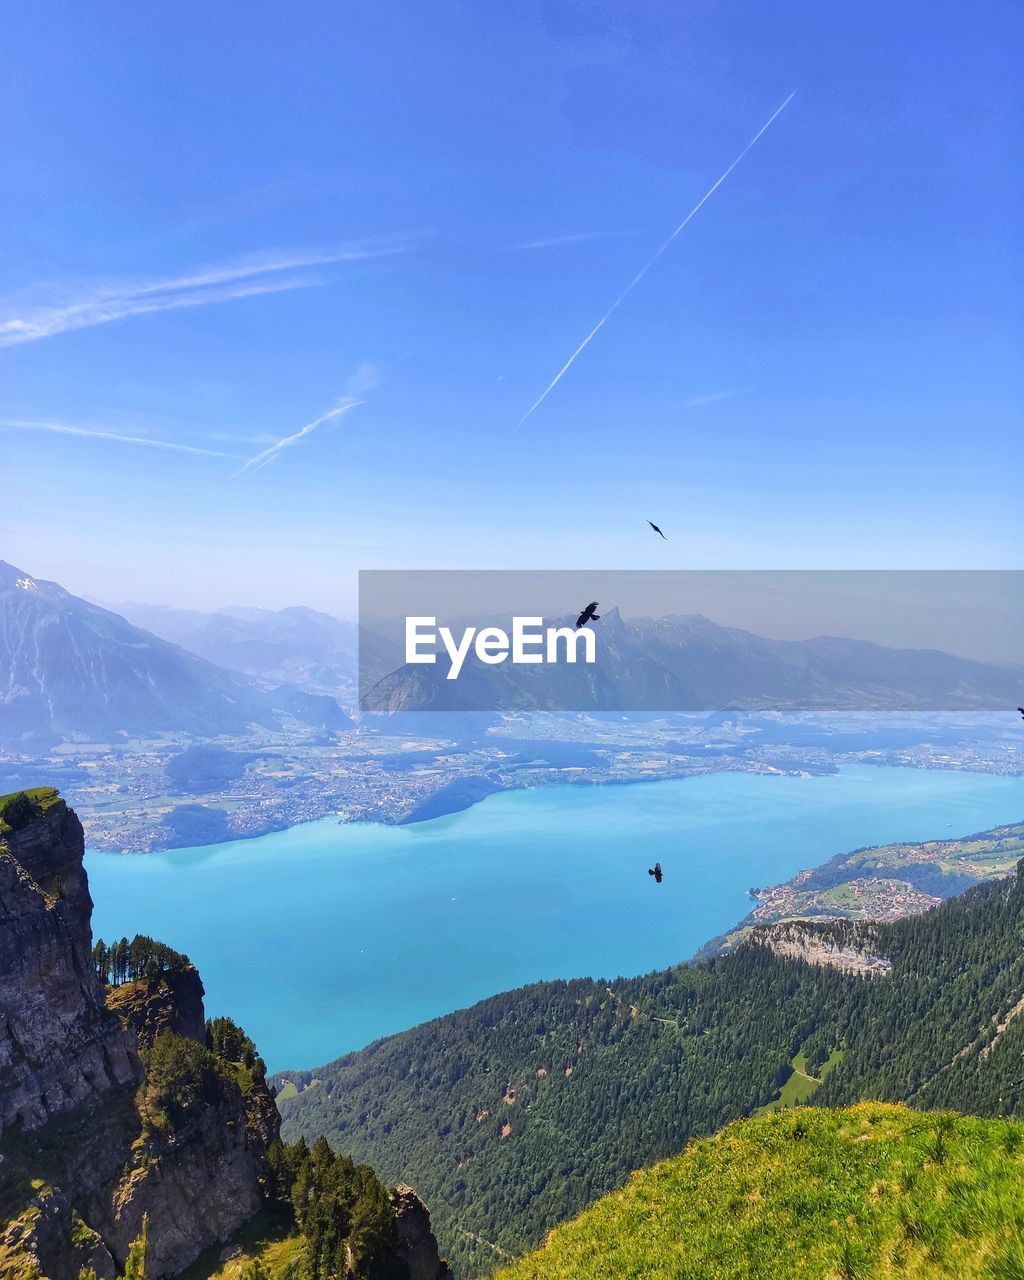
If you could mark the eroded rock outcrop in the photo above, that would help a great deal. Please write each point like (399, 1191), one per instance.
(107, 1120)
(171, 1001)
(416, 1243)
(59, 1046)
(837, 944)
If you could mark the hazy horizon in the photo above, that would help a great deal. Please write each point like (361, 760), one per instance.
(977, 615)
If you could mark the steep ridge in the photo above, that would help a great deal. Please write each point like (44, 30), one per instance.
(69, 1072)
(516, 1113)
(126, 1117)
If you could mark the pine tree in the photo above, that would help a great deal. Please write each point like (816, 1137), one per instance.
(138, 1250)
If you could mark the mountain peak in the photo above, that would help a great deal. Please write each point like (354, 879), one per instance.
(72, 670)
(12, 576)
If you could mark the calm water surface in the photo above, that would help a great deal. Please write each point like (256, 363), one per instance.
(319, 939)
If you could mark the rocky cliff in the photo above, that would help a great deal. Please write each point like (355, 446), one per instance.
(106, 1119)
(415, 1243)
(837, 944)
(123, 1113)
(59, 1047)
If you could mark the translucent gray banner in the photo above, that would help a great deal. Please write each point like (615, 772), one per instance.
(690, 641)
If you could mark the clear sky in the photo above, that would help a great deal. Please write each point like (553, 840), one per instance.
(226, 221)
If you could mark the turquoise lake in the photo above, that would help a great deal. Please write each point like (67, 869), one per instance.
(322, 938)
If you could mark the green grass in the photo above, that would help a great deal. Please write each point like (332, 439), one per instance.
(265, 1238)
(21, 806)
(801, 1084)
(870, 1192)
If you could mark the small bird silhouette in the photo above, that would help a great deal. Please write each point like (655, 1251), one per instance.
(656, 872)
(656, 529)
(1021, 710)
(588, 615)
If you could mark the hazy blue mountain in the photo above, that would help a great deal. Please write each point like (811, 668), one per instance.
(301, 646)
(297, 646)
(72, 670)
(163, 620)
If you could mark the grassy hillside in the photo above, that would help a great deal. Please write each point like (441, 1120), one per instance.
(22, 806)
(872, 1191)
(513, 1115)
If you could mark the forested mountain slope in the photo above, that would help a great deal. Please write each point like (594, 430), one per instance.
(515, 1114)
(874, 1191)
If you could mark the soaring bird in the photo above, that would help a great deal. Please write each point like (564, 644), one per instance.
(656, 529)
(1021, 710)
(656, 872)
(588, 615)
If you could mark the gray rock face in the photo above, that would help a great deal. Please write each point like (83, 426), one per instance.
(75, 1106)
(114, 1116)
(851, 949)
(170, 1001)
(416, 1243)
(59, 1047)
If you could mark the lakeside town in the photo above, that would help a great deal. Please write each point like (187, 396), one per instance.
(883, 883)
(144, 795)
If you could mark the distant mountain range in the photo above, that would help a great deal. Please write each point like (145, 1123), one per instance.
(689, 663)
(296, 645)
(71, 670)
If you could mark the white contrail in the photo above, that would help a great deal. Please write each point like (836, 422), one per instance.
(647, 266)
(64, 429)
(268, 455)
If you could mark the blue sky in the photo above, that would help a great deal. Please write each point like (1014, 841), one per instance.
(227, 221)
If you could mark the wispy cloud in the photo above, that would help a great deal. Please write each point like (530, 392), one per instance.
(368, 376)
(149, 442)
(365, 378)
(263, 459)
(579, 238)
(716, 395)
(115, 300)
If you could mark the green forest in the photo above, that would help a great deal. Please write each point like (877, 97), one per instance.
(342, 1211)
(514, 1115)
(143, 957)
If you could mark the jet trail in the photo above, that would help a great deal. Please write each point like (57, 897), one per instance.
(647, 266)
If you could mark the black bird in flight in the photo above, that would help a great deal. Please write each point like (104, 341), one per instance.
(656, 872)
(656, 529)
(1021, 710)
(588, 615)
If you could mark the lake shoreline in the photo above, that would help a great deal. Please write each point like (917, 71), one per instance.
(325, 937)
(438, 806)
